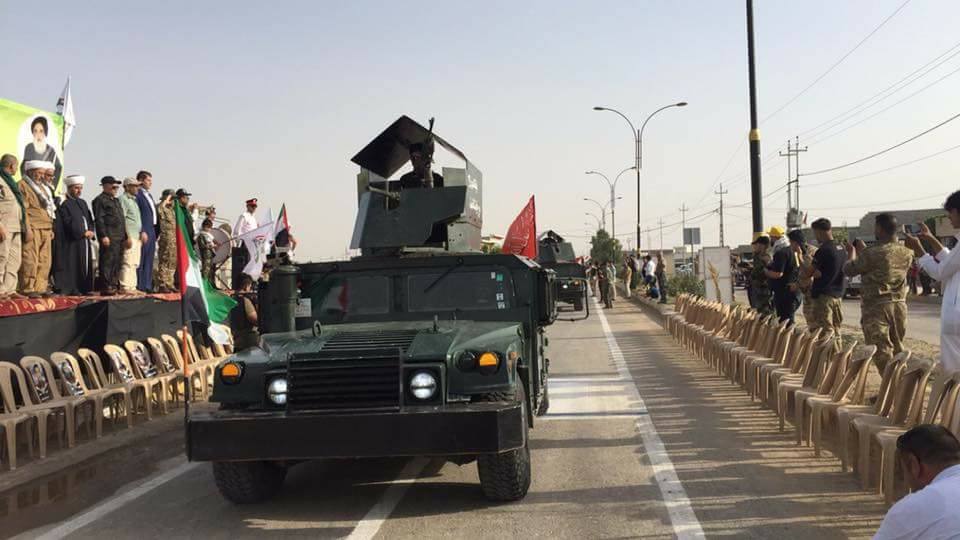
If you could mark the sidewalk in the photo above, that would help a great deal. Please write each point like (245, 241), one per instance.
(68, 480)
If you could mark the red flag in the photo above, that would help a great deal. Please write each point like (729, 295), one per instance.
(522, 236)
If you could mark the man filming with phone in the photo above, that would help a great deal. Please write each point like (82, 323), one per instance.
(944, 266)
(883, 308)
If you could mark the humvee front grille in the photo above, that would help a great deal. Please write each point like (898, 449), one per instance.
(361, 341)
(344, 380)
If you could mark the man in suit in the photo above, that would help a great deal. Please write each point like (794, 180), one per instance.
(148, 217)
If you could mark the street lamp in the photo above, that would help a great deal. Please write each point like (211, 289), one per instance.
(613, 197)
(638, 146)
(602, 207)
(600, 227)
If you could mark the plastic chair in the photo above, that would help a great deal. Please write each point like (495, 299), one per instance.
(40, 413)
(173, 363)
(808, 376)
(847, 392)
(905, 409)
(73, 404)
(148, 367)
(124, 372)
(71, 373)
(134, 393)
(10, 421)
(834, 375)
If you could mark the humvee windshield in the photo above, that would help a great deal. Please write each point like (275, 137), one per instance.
(355, 297)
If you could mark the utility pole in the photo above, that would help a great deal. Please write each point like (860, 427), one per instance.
(721, 193)
(793, 183)
(756, 187)
(683, 228)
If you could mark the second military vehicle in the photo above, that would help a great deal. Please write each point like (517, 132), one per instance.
(557, 254)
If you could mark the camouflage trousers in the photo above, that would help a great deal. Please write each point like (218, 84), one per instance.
(806, 306)
(166, 263)
(824, 312)
(885, 326)
(762, 301)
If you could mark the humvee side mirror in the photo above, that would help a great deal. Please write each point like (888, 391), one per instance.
(546, 297)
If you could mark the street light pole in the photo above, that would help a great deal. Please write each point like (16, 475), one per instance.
(613, 198)
(638, 147)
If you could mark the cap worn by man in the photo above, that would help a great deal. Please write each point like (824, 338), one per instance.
(109, 180)
(183, 193)
(775, 231)
(130, 181)
(74, 180)
(251, 202)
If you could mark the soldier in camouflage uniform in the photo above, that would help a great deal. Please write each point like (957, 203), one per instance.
(805, 281)
(166, 244)
(883, 307)
(761, 297)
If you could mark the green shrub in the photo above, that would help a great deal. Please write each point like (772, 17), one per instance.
(684, 283)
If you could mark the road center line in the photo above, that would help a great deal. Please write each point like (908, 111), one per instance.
(78, 522)
(682, 517)
(370, 525)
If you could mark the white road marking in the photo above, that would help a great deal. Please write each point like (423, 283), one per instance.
(370, 525)
(682, 517)
(115, 503)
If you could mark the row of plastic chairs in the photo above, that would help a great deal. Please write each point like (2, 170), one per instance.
(60, 395)
(809, 378)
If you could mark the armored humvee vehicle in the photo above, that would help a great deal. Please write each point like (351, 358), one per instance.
(420, 346)
(571, 277)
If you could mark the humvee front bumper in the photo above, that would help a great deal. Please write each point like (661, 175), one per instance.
(477, 428)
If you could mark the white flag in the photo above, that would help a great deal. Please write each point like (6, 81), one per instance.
(258, 243)
(65, 109)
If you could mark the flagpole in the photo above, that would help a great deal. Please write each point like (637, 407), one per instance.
(187, 383)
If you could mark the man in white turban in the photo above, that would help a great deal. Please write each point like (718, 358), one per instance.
(73, 236)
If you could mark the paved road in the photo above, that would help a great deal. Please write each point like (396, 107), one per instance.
(923, 321)
(642, 442)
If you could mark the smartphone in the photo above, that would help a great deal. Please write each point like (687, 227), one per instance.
(912, 228)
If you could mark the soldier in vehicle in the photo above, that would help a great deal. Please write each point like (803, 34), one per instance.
(422, 175)
(761, 297)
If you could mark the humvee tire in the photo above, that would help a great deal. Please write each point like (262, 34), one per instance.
(505, 477)
(247, 482)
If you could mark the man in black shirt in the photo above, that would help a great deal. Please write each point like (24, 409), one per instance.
(782, 272)
(422, 175)
(827, 273)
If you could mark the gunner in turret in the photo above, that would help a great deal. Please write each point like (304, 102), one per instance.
(422, 175)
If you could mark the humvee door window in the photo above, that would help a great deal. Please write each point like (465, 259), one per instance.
(340, 296)
(462, 291)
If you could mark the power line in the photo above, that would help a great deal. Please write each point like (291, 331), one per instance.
(859, 176)
(870, 205)
(837, 63)
(885, 109)
(886, 90)
(884, 151)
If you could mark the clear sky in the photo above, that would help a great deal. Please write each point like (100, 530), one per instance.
(240, 99)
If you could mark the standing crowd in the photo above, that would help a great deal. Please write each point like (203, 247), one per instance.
(788, 274)
(48, 243)
(644, 274)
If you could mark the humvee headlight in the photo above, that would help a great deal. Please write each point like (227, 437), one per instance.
(423, 385)
(277, 391)
(231, 372)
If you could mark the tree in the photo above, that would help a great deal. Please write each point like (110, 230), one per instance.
(605, 248)
(491, 249)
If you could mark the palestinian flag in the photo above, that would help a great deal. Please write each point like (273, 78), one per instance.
(201, 302)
